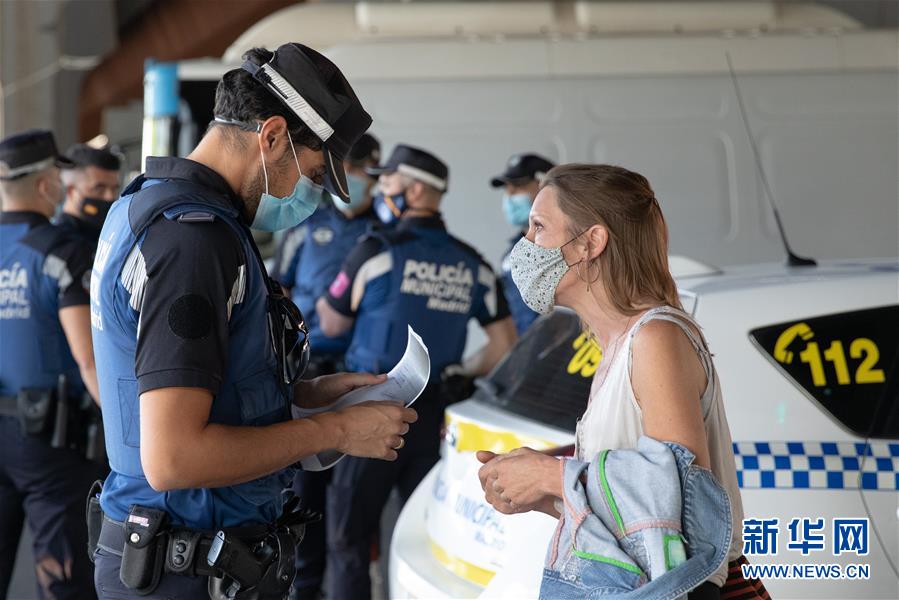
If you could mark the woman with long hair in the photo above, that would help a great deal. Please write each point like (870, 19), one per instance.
(598, 244)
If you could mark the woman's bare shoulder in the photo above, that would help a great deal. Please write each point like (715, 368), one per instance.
(661, 349)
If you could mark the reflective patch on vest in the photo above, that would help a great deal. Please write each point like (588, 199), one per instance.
(104, 248)
(238, 290)
(292, 242)
(14, 303)
(190, 317)
(447, 287)
(134, 277)
(488, 280)
(323, 236)
(57, 268)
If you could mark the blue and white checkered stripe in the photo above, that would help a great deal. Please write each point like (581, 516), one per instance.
(818, 465)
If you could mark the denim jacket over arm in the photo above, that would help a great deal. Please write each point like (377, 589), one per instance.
(644, 523)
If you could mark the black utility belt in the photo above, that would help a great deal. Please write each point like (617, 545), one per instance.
(254, 562)
(59, 419)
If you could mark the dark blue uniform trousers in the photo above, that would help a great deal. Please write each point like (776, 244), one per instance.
(48, 486)
(359, 489)
(171, 587)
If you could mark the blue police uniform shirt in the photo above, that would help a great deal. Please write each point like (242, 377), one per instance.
(309, 258)
(521, 312)
(415, 274)
(178, 299)
(42, 270)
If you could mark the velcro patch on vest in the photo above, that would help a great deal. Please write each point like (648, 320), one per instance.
(190, 317)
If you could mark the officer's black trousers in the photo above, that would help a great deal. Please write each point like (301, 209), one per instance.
(171, 587)
(48, 487)
(360, 488)
(311, 487)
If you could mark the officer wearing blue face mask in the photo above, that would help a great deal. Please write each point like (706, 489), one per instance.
(48, 424)
(417, 274)
(200, 355)
(309, 257)
(521, 182)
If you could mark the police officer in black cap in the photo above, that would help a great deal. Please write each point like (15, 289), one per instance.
(46, 366)
(199, 354)
(520, 182)
(91, 186)
(309, 257)
(415, 274)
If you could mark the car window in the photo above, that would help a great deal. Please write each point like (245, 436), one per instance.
(846, 362)
(546, 376)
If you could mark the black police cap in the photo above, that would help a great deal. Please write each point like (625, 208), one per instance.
(314, 89)
(417, 164)
(28, 152)
(83, 155)
(366, 149)
(521, 168)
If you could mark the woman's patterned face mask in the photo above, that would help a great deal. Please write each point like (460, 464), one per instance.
(537, 272)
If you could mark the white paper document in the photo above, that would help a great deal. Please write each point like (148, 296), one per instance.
(405, 383)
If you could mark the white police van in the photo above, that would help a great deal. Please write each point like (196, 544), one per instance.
(807, 360)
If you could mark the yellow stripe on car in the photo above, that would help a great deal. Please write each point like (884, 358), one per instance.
(467, 436)
(462, 568)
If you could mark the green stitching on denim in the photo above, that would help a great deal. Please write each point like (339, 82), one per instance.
(609, 561)
(608, 492)
(666, 540)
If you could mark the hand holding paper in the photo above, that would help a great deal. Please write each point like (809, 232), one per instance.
(404, 384)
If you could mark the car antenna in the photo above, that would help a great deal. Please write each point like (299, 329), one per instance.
(793, 260)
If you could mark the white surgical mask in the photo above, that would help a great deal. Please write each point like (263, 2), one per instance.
(537, 272)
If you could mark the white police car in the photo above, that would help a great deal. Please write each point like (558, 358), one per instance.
(806, 357)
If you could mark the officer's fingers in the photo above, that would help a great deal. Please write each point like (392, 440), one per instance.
(409, 415)
(389, 454)
(486, 473)
(404, 429)
(354, 380)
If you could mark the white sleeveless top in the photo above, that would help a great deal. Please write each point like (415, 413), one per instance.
(613, 418)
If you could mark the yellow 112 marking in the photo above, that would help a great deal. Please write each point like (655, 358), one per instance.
(860, 348)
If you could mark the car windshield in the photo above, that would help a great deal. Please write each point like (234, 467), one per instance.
(546, 377)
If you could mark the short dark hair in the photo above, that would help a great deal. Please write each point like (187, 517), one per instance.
(86, 156)
(239, 97)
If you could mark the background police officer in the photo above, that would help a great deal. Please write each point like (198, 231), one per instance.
(414, 274)
(91, 186)
(521, 182)
(310, 255)
(195, 345)
(309, 258)
(45, 333)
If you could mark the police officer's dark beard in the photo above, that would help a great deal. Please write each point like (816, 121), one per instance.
(250, 194)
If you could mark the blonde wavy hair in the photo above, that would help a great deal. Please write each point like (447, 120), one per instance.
(633, 268)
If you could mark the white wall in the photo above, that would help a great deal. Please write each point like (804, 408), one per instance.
(828, 143)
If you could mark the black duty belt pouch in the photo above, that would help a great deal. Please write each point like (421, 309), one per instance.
(93, 515)
(184, 546)
(143, 557)
(37, 408)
